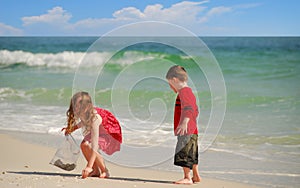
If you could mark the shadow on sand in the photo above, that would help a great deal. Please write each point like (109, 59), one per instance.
(79, 175)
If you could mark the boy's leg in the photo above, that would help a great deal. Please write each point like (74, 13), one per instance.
(196, 177)
(182, 158)
(187, 178)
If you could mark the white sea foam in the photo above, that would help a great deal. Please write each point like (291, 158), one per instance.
(246, 155)
(6, 92)
(252, 173)
(70, 59)
(30, 118)
(63, 59)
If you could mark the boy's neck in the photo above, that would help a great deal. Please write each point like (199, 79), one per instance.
(181, 85)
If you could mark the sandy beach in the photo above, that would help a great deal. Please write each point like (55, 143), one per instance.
(25, 164)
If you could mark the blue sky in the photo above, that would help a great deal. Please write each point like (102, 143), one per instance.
(97, 17)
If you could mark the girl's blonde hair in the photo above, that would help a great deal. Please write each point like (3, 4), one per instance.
(177, 72)
(85, 107)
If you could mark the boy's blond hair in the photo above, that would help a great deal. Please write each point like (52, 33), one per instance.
(177, 72)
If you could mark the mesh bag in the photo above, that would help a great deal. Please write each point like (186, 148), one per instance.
(67, 155)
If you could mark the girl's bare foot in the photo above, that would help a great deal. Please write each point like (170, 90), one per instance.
(196, 179)
(184, 181)
(104, 174)
(95, 172)
(86, 172)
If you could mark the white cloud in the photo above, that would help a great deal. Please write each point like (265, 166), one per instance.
(180, 12)
(55, 16)
(184, 13)
(247, 6)
(214, 12)
(128, 13)
(191, 15)
(218, 11)
(8, 30)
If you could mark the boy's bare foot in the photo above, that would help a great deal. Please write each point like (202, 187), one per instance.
(196, 179)
(184, 181)
(104, 174)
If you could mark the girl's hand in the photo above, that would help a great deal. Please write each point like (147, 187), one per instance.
(86, 172)
(67, 132)
(64, 129)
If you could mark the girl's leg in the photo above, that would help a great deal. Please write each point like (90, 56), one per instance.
(99, 162)
(196, 177)
(86, 153)
(187, 178)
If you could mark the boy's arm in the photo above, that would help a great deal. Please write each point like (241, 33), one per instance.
(187, 104)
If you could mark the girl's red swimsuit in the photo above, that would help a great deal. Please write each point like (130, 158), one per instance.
(110, 134)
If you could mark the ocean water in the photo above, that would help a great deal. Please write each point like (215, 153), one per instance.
(258, 143)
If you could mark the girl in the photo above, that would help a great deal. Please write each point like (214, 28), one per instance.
(101, 130)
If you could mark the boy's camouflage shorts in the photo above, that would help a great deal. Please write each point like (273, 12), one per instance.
(186, 153)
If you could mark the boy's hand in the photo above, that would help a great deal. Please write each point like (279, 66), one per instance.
(182, 129)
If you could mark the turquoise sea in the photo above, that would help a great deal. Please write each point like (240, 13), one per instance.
(258, 143)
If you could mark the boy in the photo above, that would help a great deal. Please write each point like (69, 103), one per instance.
(185, 125)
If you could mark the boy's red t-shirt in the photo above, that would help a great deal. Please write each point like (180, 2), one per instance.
(186, 106)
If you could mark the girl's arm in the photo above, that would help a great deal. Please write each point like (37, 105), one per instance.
(78, 125)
